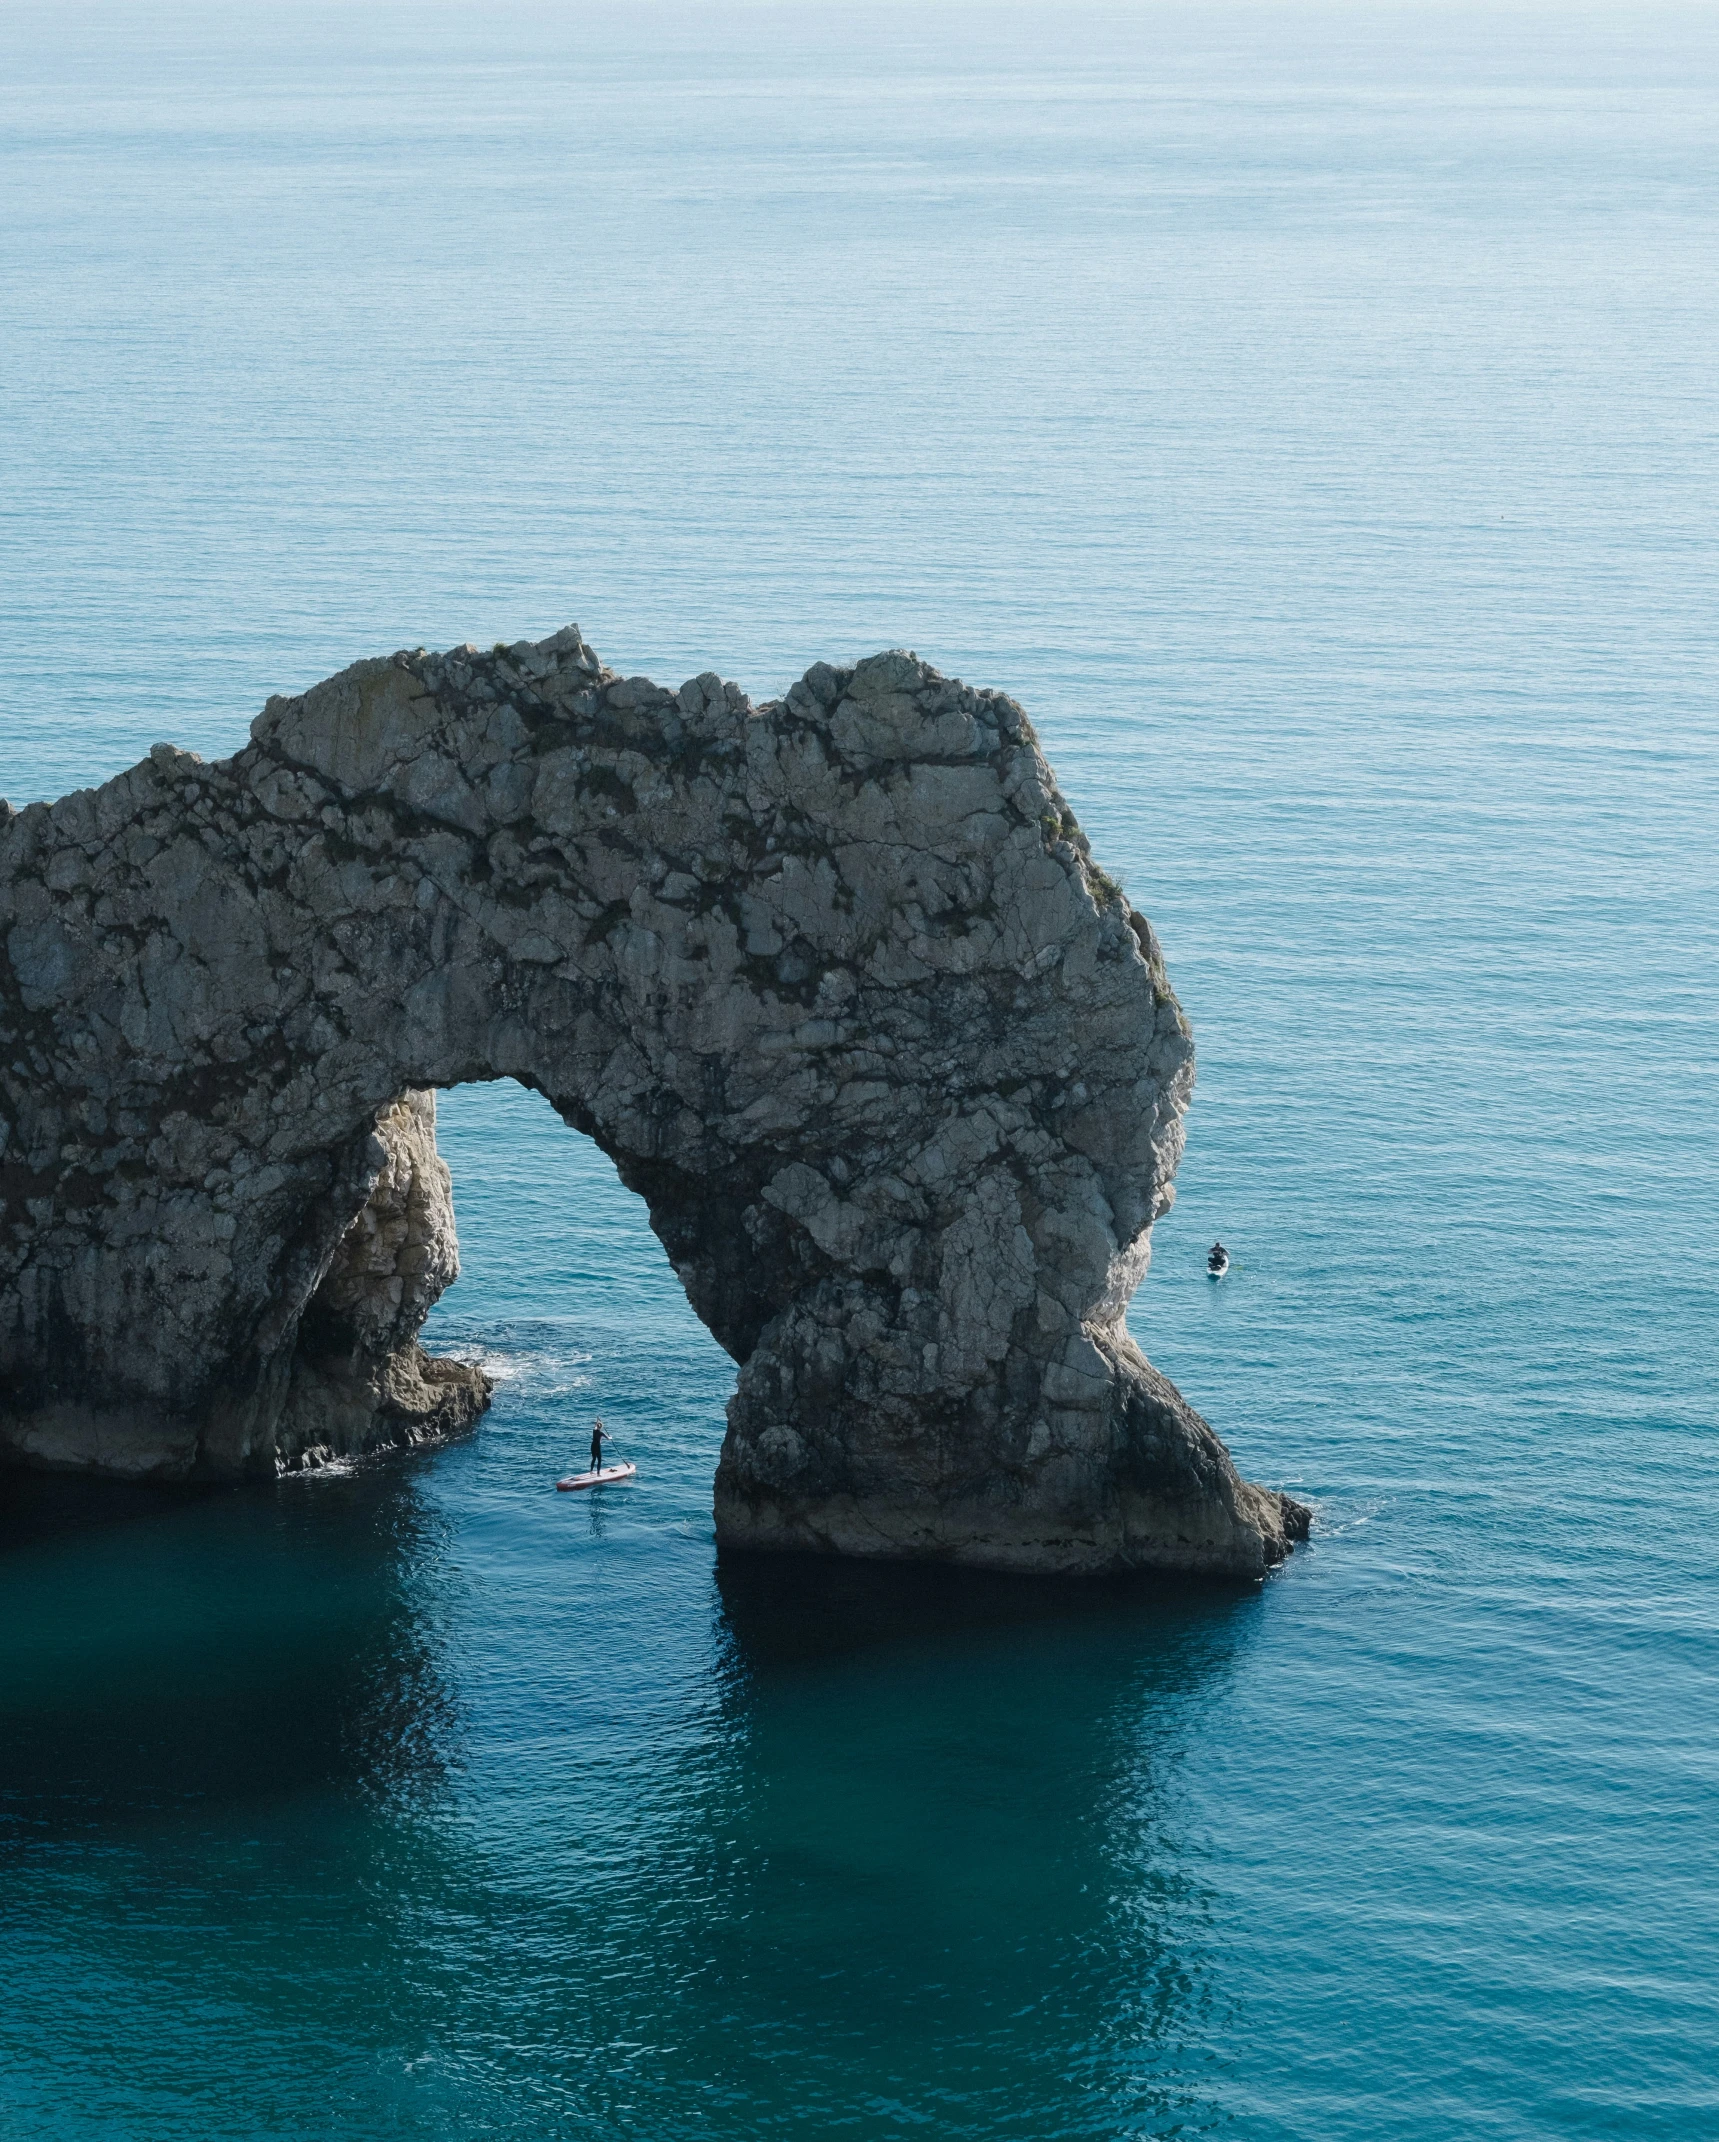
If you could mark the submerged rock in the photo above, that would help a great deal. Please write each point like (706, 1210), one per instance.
(834, 981)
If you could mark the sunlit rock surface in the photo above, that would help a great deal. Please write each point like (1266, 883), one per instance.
(834, 981)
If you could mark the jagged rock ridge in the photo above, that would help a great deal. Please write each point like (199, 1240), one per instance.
(834, 981)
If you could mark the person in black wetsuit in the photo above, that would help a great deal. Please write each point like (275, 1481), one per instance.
(598, 1439)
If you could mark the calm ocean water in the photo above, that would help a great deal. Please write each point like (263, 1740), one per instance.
(1310, 415)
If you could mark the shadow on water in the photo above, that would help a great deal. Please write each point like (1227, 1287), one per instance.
(175, 1648)
(799, 1848)
(37, 1509)
(791, 1610)
(936, 1869)
(892, 1847)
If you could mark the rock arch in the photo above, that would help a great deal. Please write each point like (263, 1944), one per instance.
(834, 981)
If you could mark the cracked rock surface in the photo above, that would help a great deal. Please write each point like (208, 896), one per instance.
(834, 981)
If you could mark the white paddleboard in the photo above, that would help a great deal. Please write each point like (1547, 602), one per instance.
(600, 1478)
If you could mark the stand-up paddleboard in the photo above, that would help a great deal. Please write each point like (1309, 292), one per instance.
(600, 1478)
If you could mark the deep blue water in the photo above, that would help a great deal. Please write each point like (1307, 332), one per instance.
(1310, 414)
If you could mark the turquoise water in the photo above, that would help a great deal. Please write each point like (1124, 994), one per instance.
(1309, 413)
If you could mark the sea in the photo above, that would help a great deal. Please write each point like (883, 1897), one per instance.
(1309, 413)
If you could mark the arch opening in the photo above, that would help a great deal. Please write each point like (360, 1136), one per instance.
(567, 1300)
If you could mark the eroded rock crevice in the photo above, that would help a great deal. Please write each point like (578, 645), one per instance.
(835, 981)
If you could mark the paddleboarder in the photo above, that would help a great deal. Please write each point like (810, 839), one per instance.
(598, 1439)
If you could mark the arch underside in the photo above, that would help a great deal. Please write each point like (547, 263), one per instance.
(834, 981)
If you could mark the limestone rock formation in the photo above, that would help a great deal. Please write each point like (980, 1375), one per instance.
(834, 981)
(359, 1376)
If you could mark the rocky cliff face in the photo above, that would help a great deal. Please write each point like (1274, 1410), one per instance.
(834, 981)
